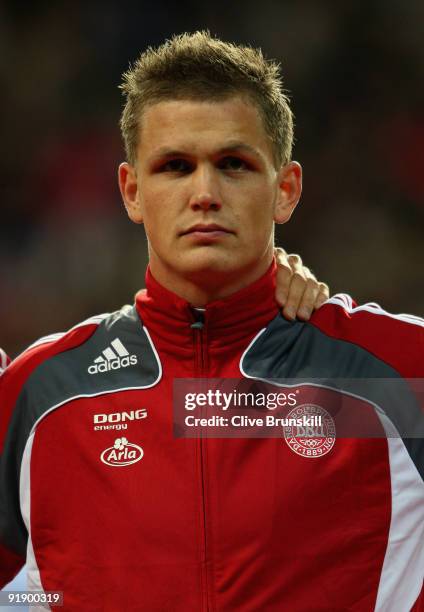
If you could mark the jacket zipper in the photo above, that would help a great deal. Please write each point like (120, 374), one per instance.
(200, 367)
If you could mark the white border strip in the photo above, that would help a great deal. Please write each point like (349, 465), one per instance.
(33, 572)
(402, 573)
(3, 360)
(52, 337)
(345, 301)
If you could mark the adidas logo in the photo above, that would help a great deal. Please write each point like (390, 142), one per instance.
(114, 357)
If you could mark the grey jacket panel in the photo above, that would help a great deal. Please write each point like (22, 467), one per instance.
(296, 352)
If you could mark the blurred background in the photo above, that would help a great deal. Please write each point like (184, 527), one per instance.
(354, 71)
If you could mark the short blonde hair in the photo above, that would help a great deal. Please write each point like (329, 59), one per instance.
(200, 67)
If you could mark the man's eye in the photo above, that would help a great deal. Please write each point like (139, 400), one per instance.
(176, 165)
(234, 164)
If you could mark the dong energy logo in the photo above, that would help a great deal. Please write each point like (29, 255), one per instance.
(117, 420)
(122, 453)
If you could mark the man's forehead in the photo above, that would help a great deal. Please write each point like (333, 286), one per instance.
(201, 101)
(235, 109)
(171, 126)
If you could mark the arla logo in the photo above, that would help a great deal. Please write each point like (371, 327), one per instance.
(122, 453)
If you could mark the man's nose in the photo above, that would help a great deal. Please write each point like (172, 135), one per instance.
(205, 195)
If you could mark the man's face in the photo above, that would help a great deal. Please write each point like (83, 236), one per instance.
(206, 188)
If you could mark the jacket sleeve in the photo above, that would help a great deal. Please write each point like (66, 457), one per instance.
(12, 556)
(17, 418)
(10, 564)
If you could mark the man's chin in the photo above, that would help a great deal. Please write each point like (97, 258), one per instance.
(207, 262)
(200, 269)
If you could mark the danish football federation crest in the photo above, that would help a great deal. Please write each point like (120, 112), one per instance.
(315, 440)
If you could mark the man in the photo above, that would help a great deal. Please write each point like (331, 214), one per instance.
(119, 514)
(297, 292)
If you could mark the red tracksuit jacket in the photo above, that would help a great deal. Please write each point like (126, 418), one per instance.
(107, 506)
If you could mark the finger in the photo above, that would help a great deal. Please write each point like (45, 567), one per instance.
(314, 296)
(308, 301)
(284, 276)
(299, 292)
(296, 290)
(323, 295)
(295, 262)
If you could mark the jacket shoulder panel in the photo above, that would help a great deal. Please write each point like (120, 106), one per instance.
(114, 353)
(293, 353)
(396, 339)
(19, 371)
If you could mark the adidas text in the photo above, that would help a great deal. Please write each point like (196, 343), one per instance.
(114, 364)
(113, 357)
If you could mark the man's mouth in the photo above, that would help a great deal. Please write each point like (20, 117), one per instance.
(203, 229)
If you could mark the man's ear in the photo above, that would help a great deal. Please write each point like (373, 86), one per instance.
(290, 189)
(127, 179)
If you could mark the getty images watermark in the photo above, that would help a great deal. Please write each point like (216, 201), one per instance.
(310, 413)
(224, 400)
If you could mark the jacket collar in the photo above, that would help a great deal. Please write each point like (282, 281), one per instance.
(228, 320)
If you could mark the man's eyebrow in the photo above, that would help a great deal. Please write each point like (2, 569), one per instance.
(167, 152)
(235, 146)
(230, 147)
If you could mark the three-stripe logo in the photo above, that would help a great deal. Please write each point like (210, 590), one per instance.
(114, 357)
